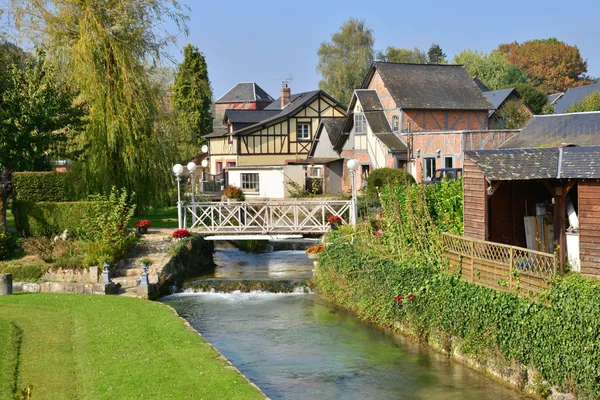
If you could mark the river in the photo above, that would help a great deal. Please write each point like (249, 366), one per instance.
(298, 346)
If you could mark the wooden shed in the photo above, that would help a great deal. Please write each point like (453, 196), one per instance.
(542, 199)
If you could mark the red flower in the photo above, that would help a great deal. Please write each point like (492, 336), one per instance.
(181, 233)
(378, 233)
(399, 298)
(382, 214)
(411, 297)
(312, 160)
(143, 223)
(334, 219)
(316, 249)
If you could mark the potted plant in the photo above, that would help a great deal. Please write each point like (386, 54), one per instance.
(234, 193)
(314, 251)
(334, 222)
(142, 226)
(179, 234)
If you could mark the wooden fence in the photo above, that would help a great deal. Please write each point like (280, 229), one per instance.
(499, 266)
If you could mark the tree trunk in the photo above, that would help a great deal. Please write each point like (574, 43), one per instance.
(6, 189)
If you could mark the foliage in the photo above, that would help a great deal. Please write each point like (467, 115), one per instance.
(192, 93)
(10, 342)
(397, 55)
(143, 223)
(107, 55)
(490, 68)
(36, 112)
(315, 249)
(234, 192)
(49, 218)
(147, 261)
(106, 228)
(387, 176)
(512, 115)
(534, 98)
(30, 272)
(344, 62)
(9, 245)
(551, 65)
(296, 190)
(181, 233)
(45, 186)
(74, 329)
(435, 55)
(589, 103)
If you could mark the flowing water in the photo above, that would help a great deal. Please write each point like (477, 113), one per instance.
(297, 346)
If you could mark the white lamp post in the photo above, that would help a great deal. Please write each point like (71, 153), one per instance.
(178, 170)
(353, 166)
(191, 169)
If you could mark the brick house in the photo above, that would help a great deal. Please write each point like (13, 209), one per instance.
(243, 96)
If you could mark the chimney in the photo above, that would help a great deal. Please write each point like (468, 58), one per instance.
(286, 93)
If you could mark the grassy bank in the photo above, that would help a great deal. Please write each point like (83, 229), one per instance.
(104, 347)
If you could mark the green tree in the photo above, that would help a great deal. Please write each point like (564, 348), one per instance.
(590, 103)
(492, 68)
(105, 47)
(435, 55)
(344, 62)
(535, 99)
(550, 64)
(397, 55)
(36, 110)
(512, 115)
(192, 93)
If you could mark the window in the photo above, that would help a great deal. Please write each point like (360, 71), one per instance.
(230, 164)
(219, 166)
(395, 123)
(428, 168)
(314, 172)
(250, 182)
(303, 131)
(360, 124)
(448, 162)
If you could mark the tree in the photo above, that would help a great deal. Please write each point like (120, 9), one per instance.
(344, 62)
(192, 94)
(106, 48)
(36, 110)
(513, 115)
(397, 55)
(550, 64)
(535, 99)
(492, 69)
(435, 55)
(590, 103)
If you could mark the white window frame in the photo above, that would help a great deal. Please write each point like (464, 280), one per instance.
(432, 162)
(250, 181)
(360, 123)
(303, 134)
(315, 171)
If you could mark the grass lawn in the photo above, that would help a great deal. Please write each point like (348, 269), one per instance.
(161, 218)
(10, 219)
(108, 347)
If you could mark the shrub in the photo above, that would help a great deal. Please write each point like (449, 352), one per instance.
(387, 176)
(9, 246)
(49, 219)
(45, 187)
(23, 273)
(233, 192)
(181, 233)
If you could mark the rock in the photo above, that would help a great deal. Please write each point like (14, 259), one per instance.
(6, 285)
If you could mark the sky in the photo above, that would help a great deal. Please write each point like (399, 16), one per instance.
(264, 41)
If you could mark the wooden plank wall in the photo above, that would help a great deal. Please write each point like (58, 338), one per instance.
(475, 201)
(589, 227)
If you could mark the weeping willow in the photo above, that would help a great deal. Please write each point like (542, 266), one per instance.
(106, 48)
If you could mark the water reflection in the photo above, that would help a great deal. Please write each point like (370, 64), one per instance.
(236, 264)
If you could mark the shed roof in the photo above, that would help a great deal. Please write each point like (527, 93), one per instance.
(574, 96)
(430, 86)
(245, 92)
(582, 129)
(543, 163)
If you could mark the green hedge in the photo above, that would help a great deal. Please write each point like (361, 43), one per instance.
(44, 186)
(561, 341)
(10, 339)
(47, 218)
(382, 177)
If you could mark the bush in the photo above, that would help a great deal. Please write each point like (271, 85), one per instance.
(49, 218)
(387, 176)
(9, 246)
(23, 273)
(233, 192)
(45, 186)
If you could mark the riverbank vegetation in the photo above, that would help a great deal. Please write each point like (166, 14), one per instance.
(103, 347)
(391, 271)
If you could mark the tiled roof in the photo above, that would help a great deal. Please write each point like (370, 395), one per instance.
(218, 131)
(543, 163)
(334, 128)
(249, 116)
(481, 85)
(245, 92)
(574, 96)
(369, 100)
(582, 129)
(430, 86)
(553, 98)
(497, 97)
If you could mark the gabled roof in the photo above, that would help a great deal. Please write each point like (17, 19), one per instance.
(497, 97)
(574, 96)
(334, 127)
(430, 86)
(297, 102)
(481, 85)
(543, 163)
(248, 116)
(369, 100)
(582, 129)
(245, 92)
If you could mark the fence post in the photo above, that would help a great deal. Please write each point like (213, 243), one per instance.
(472, 261)
(510, 267)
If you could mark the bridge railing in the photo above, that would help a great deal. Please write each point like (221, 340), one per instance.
(273, 217)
